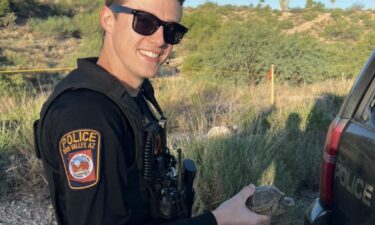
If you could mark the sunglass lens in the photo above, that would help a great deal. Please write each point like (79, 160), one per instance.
(173, 33)
(145, 24)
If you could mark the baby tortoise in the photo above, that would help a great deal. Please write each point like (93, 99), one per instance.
(268, 200)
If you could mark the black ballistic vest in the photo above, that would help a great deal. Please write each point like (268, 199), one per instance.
(109, 86)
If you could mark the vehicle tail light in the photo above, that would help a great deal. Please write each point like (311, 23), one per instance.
(329, 160)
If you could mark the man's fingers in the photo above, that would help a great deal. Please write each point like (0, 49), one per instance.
(247, 191)
(265, 219)
(262, 219)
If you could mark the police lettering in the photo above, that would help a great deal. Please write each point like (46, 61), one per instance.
(79, 139)
(355, 185)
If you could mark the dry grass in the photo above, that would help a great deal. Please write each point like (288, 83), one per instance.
(278, 145)
(220, 103)
(259, 153)
(22, 49)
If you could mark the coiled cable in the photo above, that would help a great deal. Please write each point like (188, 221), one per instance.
(147, 172)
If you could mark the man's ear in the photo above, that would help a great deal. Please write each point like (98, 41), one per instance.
(107, 19)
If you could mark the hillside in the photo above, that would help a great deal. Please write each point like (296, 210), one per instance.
(322, 37)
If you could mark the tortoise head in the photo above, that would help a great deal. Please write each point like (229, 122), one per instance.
(286, 202)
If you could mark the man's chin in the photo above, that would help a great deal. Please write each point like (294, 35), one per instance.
(150, 73)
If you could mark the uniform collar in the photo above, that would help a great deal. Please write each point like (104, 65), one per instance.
(90, 65)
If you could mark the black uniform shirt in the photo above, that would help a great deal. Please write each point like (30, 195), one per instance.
(90, 123)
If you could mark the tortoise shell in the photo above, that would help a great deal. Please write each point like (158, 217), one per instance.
(268, 200)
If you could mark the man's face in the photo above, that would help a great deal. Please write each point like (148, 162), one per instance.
(137, 55)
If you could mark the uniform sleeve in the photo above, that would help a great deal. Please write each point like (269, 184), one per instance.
(206, 219)
(89, 150)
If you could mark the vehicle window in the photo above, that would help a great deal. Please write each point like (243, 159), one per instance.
(366, 110)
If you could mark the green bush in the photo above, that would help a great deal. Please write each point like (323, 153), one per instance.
(33, 8)
(348, 59)
(81, 6)
(357, 6)
(8, 20)
(90, 47)
(299, 58)
(286, 24)
(60, 26)
(368, 22)
(16, 139)
(4, 7)
(342, 30)
(13, 82)
(88, 23)
(337, 14)
(244, 51)
(202, 26)
(235, 51)
(309, 15)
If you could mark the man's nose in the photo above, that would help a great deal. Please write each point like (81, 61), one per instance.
(158, 37)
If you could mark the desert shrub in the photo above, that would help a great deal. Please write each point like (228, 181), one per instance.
(60, 26)
(33, 8)
(357, 6)
(297, 10)
(15, 81)
(243, 52)
(81, 25)
(90, 47)
(299, 58)
(202, 26)
(368, 22)
(342, 62)
(20, 108)
(8, 20)
(315, 5)
(347, 59)
(88, 23)
(286, 24)
(363, 49)
(264, 15)
(342, 30)
(337, 14)
(80, 6)
(309, 15)
(18, 59)
(235, 51)
(4, 7)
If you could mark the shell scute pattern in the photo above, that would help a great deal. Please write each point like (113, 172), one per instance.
(269, 200)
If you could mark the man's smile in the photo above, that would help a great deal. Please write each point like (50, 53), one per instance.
(149, 54)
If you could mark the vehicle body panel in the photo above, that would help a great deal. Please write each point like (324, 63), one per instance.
(354, 179)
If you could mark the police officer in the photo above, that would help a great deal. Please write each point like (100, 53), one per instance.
(94, 128)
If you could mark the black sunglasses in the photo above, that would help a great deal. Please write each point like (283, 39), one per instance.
(145, 23)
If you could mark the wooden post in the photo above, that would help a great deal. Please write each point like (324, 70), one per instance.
(272, 86)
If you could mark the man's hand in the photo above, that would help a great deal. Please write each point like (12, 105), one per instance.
(234, 211)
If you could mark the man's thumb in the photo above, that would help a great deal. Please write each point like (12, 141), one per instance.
(247, 191)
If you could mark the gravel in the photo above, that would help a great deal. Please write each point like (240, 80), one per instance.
(26, 210)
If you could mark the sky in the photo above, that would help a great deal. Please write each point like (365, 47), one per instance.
(368, 4)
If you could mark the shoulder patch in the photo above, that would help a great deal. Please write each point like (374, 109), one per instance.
(80, 153)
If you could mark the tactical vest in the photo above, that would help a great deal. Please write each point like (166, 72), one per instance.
(114, 90)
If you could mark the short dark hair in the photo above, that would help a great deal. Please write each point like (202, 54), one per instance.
(110, 2)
